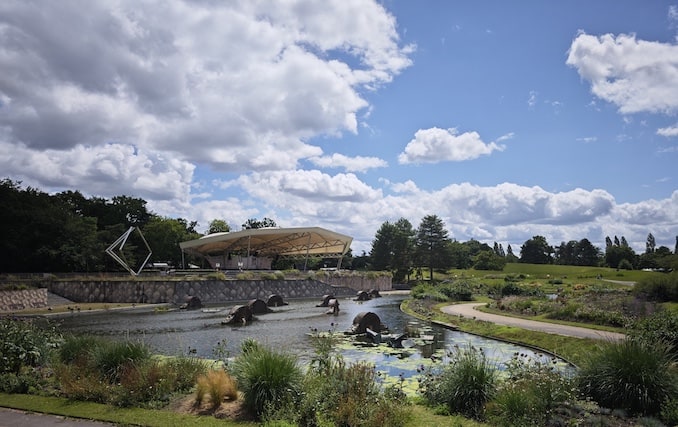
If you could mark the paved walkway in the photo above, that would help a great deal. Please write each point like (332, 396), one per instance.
(469, 310)
(17, 418)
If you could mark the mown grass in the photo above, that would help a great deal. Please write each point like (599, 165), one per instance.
(108, 413)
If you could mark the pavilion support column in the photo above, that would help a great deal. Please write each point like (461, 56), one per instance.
(308, 249)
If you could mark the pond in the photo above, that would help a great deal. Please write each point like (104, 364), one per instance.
(289, 328)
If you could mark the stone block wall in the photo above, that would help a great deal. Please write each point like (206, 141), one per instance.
(178, 292)
(20, 300)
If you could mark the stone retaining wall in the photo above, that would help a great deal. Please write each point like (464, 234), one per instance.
(178, 292)
(20, 300)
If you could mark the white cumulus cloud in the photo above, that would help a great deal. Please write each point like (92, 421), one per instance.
(635, 75)
(436, 145)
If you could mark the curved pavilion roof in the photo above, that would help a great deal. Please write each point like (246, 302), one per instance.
(299, 241)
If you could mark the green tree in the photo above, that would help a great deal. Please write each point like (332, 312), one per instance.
(614, 255)
(381, 254)
(255, 223)
(650, 244)
(587, 254)
(577, 253)
(403, 250)
(432, 244)
(536, 251)
(510, 256)
(164, 235)
(218, 226)
(460, 255)
(488, 260)
(393, 248)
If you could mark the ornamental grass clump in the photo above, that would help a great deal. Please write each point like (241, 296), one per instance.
(634, 375)
(112, 357)
(217, 385)
(267, 379)
(464, 385)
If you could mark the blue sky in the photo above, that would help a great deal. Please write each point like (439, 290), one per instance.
(505, 119)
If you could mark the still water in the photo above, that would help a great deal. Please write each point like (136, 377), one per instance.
(288, 328)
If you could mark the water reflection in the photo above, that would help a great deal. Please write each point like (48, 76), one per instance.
(288, 328)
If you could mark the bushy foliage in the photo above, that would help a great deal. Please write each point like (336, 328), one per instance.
(662, 288)
(633, 375)
(458, 290)
(530, 394)
(586, 314)
(111, 358)
(338, 394)
(427, 291)
(121, 373)
(24, 344)
(464, 385)
(267, 379)
(662, 326)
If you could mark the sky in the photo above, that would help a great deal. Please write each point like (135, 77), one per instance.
(506, 120)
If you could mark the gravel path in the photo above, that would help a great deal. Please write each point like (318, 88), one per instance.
(469, 310)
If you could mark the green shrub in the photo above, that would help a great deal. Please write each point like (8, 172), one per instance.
(464, 385)
(661, 288)
(625, 265)
(428, 291)
(188, 370)
(111, 357)
(530, 394)
(661, 326)
(148, 383)
(21, 383)
(634, 375)
(24, 344)
(77, 349)
(669, 412)
(337, 394)
(267, 379)
(459, 290)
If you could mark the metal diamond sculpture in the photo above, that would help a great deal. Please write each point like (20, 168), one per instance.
(119, 244)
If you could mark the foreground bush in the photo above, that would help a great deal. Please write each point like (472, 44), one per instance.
(24, 344)
(267, 379)
(661, 288)
(121, 373)
(634, 375)
(530, 395)
(661, 326)
(338, 394)
(464, 385)
(24, 348)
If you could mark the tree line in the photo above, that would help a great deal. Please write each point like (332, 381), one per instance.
(404, 250)
(68, 232)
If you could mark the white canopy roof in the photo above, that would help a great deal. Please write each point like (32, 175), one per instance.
(301, 241)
